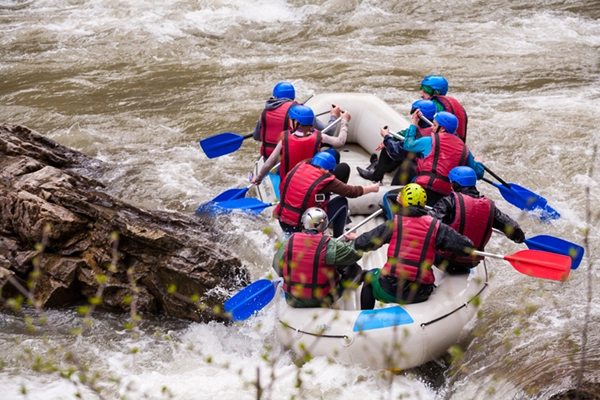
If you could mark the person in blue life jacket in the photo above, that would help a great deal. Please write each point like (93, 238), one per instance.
(438, 154)
(302, 141)
(274, 119)
(434, 88)
(393, 156)
(311, 184)
(471, 215)
(413, 237)
(316, 268)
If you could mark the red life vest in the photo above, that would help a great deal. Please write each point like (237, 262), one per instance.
(412, 249)
(305, 273)
(272, 124)
(299, 190)
(453, 106)
(297, 148)
(473, 218)
(447, 152)
(423, 132)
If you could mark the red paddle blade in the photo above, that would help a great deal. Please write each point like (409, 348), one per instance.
(541, 264)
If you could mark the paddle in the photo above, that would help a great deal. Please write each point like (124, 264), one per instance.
(556, 245)
(539, 264)
(522, 198)
(257, 295)
(249, 204)
(251, 299)
(229, 194)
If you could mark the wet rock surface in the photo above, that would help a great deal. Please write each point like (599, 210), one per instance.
(69, 241)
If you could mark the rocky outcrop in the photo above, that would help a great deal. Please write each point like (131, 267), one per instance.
(68, 241)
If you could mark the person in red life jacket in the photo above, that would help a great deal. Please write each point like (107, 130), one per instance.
(316, 268)
(310, 184)
(274, 119)
(472, 215)
(435, 87)
(302, 141)
(413, 237)
(438, 154)
(393, 154)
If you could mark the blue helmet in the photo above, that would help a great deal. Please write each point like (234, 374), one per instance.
(437, 83)
(303, 114)
(324, 160)
(447, 120)
(464, 176)
(284, 90)
(427, 107)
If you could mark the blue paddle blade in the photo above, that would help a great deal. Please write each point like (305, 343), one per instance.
(221, 144)
(527, 200)
(250, 205)
(230, 194)
(275, 181)
(558, 246)
(251, 299)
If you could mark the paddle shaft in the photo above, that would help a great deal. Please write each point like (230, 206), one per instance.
(497, 177)
(370, 217)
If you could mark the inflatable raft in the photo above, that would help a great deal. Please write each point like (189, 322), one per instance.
(390, 336)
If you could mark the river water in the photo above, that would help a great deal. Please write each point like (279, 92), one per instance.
(138, 83)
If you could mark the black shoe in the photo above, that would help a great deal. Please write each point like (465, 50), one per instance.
(368, 175)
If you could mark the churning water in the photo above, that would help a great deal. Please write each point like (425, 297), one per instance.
(138, 83)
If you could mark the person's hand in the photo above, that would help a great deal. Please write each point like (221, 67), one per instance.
(478, 159)
(384, 131)
(351, 235)
(380, 147)
(374, 188)
(256, 181)
(416, 117)
(335, 110)
(346, 115)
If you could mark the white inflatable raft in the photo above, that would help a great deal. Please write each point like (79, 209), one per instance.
(390, 336)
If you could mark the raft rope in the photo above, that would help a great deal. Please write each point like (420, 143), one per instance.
(424, 324)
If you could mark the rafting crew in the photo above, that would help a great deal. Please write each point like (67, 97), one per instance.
(438, 154)
(274, 119)
(302, 141)
(393, 155)
(316, 268)
(473, 215)
(434, 88)
(414, 237)
(311, 184)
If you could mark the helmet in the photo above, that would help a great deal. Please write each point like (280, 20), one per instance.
(447, 120)
(284, 90)
(437, 83)
(427, 107)
(413, 194)
(464, 176)
(314, 219)
(325, 160)
(303, 114)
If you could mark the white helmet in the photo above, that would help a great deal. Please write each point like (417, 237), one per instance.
(314, 219)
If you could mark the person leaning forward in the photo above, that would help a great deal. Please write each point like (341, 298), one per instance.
(316, 268)
(310, 184)
(413, 237)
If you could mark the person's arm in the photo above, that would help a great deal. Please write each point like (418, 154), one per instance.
(341, 253)
(421, 146)
(340, 140)
(256, 132)
(268, 165)
(447, 239)
(509, 226)
(444, 209)
(476, 165)
(338, 187)
(375, 238)
(335, 114)
(278, 258)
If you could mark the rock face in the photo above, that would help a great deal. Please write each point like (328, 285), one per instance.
(69, 241)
